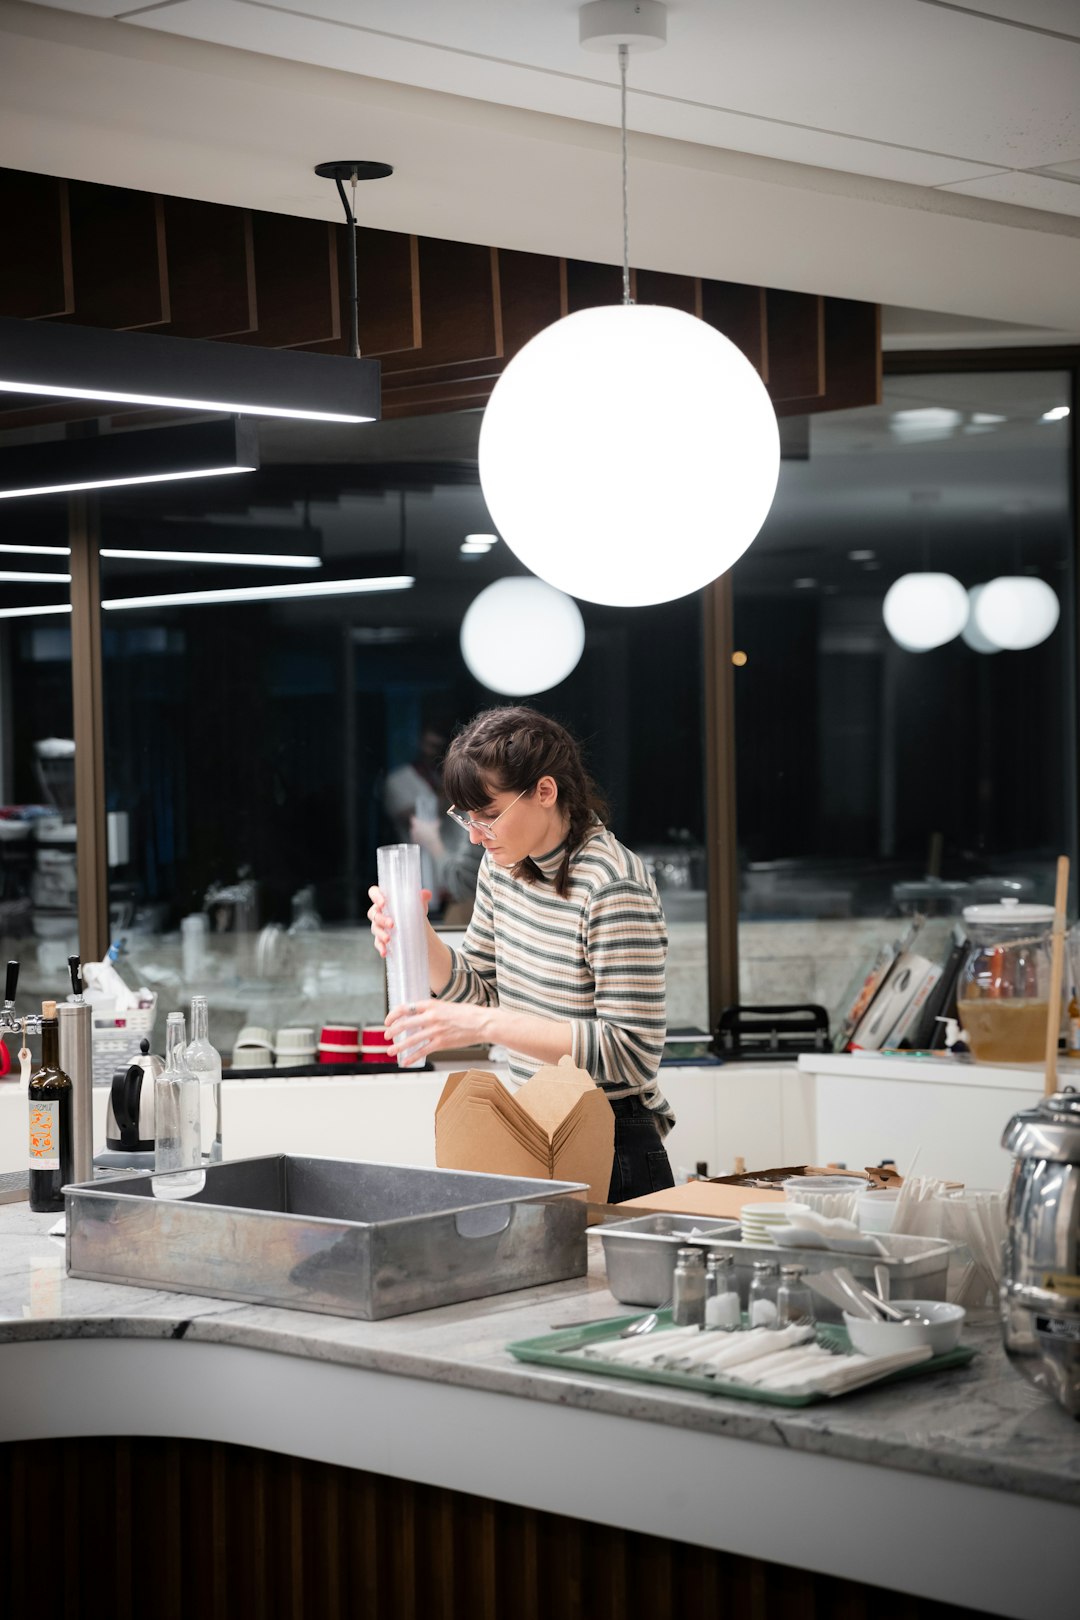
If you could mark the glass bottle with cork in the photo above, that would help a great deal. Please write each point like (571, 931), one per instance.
(52, 1140)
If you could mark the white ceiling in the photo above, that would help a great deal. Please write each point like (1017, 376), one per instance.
(920, 153)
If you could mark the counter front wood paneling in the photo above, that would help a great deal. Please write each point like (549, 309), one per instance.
(187, 1527)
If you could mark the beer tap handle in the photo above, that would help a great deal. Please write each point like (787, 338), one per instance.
(11, 984)
(75, 969)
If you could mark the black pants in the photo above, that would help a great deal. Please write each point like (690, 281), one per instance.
(641, 1163)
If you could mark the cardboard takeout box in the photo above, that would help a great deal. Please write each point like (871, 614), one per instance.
(558, 1127)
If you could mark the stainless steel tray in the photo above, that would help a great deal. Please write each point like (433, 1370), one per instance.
(917, 1266)
(640, 1254)
(348, 1239)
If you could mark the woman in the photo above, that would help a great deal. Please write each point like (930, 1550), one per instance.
(565, 952)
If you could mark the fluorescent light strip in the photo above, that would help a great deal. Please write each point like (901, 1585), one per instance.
(118, 396)
(239, 558)
(15, 576)
(113, 483)
(40, 551)
(32, 612)
(267, 593)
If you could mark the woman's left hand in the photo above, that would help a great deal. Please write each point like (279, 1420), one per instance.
(433, 1026)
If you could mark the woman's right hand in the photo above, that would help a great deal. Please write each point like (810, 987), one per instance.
(382, 924)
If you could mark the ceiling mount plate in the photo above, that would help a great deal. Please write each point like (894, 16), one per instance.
(348, 169)
(640, 25)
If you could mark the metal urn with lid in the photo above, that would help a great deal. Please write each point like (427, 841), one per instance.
(1040, 1287)
(1004, 987)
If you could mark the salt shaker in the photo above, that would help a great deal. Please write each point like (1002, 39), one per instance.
(722, 1311)
(794, 1307)
(688, 1294)
(763, 1287)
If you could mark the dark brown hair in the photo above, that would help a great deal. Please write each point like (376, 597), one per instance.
(508, 750)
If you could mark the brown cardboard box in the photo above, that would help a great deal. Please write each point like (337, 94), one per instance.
(715, 1198)
(558, 1127)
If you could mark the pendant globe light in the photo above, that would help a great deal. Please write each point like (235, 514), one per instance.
(971, 635)
(629, 454)
(923, 611)
(1015, 612)
(521, 637)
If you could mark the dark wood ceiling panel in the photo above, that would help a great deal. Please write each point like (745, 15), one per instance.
(795, 331)
(35, 265)
(297, 289)
(209, 257)
(588, 285)
(533, 288)
(739, 312)
(441, 316)
(117, 257)
(658, 287)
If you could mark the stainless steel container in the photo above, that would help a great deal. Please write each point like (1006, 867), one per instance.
(639, 1256)
(366, 1240)
(1040, 1282)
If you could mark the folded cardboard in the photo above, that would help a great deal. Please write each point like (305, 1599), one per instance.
(559, 1126)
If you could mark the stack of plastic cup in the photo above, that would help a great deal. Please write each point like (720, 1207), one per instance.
(407, 978)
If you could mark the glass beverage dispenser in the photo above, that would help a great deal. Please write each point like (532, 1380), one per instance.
(1004, 987)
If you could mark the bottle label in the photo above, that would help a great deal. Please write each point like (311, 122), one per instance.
(44, 1136)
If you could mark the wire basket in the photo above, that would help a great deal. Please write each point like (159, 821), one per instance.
(116, 1037)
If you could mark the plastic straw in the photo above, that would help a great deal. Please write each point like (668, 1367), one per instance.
(1057, 962)
(407, 978)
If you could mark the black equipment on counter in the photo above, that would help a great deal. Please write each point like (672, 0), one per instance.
(746, 1034)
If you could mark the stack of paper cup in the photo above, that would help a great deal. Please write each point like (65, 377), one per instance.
(407, 977)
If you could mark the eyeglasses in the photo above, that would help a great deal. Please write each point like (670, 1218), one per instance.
(484, 828)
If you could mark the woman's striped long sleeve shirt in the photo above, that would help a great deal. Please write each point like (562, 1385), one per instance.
(594, 959)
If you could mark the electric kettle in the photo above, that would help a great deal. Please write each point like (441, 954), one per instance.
(1040, 1285)
(129, 1118)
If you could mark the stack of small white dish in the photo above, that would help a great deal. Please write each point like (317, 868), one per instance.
(758, 1220)
(295, 1047)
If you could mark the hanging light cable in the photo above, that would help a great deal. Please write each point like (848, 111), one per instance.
(629, 453)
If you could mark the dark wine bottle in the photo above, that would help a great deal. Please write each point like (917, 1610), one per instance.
(51, 1127)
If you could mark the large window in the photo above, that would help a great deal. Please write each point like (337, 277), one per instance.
(39, 924)
(874, 780)
(261, 751)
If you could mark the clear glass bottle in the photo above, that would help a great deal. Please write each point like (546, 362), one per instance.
(763, 1288)
(205, 1061)
(794, 1305)
(177, 1103)
(688, 1293)
(722, 1310)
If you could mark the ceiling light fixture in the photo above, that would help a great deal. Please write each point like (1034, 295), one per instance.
(630, 453)
(40, 551)
(923, 611)
(140, 368)
(1057, 414)
(15, 576)
(1015, 612)
(520, 637)
(143, 456)
(354, 170)
(237, 559)
(34, 612)
(266, 593)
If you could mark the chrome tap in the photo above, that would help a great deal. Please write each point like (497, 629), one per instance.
(9, 1024)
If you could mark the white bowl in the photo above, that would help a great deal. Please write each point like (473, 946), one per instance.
(941, 1331)
(254, 1035)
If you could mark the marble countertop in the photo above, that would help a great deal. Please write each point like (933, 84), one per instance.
(981, 1425)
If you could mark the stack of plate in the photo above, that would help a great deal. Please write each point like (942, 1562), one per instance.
(757, 1221)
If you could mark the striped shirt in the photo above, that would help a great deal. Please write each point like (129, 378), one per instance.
(594, 959)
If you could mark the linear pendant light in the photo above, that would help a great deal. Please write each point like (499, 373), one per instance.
(233, 559)
(143, 456)
(242, 593)
(141, 368)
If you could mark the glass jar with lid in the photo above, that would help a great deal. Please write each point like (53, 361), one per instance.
(1004, 986)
